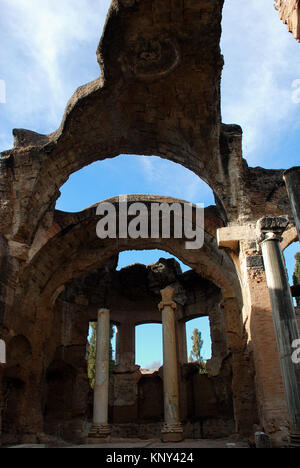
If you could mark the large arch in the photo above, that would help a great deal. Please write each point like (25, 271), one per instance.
(137, 106)
(71, 248)
(143, 105)
(68, 248)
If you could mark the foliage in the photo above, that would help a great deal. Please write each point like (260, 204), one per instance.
(92, 352)
(296, 275)
(111, 360)
(195, 354)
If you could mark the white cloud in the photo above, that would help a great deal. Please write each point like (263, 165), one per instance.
(41, 43)
(48, 49)
(261, 62)
(155, 365)
(163, 175)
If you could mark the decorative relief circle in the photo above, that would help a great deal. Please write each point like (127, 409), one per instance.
(151, 57)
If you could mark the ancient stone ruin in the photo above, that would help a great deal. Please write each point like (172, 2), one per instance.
(289, 13)
(56, 275)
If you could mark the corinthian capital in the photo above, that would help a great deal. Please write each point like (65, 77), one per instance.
(271, 227)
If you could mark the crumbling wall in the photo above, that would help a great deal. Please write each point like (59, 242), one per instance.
(158, 94)
(289, 12)
(133, 294)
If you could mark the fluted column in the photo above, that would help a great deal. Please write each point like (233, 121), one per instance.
(284, 317)
(100, 428)
(172, 428)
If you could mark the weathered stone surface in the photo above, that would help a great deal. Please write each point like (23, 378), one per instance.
(158, 94)
(262, 440)
(289, 12)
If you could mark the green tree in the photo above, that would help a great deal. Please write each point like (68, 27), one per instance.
(195, 354)
(92, 352)
(296, 275)
(111, 360)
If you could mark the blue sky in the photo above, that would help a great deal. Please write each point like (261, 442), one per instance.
(48, 49)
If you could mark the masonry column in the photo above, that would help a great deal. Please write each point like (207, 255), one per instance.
(172, 428)
(292, 181)
(100, 428)
(284, 317)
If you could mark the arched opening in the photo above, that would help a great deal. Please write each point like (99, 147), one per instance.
(144, 175)
(149, 351)
(149, 356)
(146, 257)
(199, 345)
(84, 275)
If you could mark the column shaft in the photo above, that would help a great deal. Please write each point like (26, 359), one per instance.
(285, 323)
(172, 430)
(171, 395)
(100, 426)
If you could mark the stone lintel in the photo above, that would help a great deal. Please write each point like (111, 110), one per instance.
(230, 237)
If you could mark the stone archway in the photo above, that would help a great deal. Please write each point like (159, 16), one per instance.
(70, 248)
(141, 104)
(144, 104)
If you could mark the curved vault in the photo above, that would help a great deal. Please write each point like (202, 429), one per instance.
(70, 248)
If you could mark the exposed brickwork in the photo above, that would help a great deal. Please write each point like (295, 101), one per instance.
(158, 94)
(257, 313)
